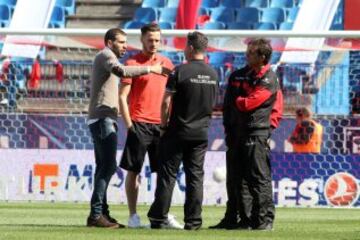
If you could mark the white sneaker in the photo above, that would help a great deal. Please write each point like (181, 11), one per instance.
(172, 223)
(134, 221)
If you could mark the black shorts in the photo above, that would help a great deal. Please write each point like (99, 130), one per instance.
(141, 138)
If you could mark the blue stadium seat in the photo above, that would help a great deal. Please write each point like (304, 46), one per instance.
(68, 5)
(203, 11)
(5, 16)
(167, 14)
(153, 3)
(221, 14)
(292, 14)
(146, 15)
(231, 3)
(166, 25)
(251, 15)
(274, 15)
(239, 59)
(133, 25)
(209, 3)
(286, 26)
(265, 26)
(239, 25)
(282, 3)
(176, 57)
(220, 58)
(337, 26)
(10, 3)
(214, 25)
(173, 3)
(57, 19)
(257, 3)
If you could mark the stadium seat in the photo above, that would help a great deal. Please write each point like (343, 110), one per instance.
(57, 19)
(153, 3)
(68, 5)
(203, 11)
(173, 3)
(337, 26)
(176, 57)
(146, 15)
(257, 3)
(133, 25)
(282, 3)
(274, 15)
(239, 25)
(231, 3)
(220, 58)
(265, 26)
(249, 15)
(5, 16)
(286, 26)
(214, 25)
(168, 14)
(292, 14)
(166, 25)
(221, 14)
(10, 3)
(209, 3)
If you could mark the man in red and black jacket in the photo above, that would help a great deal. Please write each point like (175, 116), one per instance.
(252, 109)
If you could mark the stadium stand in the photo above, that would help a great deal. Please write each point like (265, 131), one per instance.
(153, 3)
(173, 3)
(257, 3)
(10, 3)
(67, 5)
(167, 14)
(57, 18)
(146, 15)
(214, 25)
(5, 15)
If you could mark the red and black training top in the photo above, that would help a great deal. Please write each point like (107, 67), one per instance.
(253, 102)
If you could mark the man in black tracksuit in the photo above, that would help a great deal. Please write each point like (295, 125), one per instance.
(252, 108)
(191, 90)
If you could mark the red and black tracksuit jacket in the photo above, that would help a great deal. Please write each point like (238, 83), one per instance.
(253, 102)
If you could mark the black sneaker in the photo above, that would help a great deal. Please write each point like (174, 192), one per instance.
(192, 226)
(225, 224)
(264, 227)
(242, 225)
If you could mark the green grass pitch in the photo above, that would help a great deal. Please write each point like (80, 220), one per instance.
(53, 221)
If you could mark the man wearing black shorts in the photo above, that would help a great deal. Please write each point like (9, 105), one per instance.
(191, 91)
(140, 103)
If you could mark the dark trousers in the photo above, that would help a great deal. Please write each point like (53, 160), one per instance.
(235, 209)
(254, 179)
(104, 134)
(191, 153)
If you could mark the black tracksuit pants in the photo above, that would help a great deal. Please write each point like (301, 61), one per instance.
(191, 153)
(253, 171)
(235, 208)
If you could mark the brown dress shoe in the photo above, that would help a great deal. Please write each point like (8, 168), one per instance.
(113, 220)
(101, 221)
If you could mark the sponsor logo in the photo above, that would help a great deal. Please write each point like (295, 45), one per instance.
(341, 189)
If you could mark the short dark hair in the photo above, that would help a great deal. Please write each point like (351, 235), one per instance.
(150, 27)
(263, 48)
(198, 41)
(111, 34)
